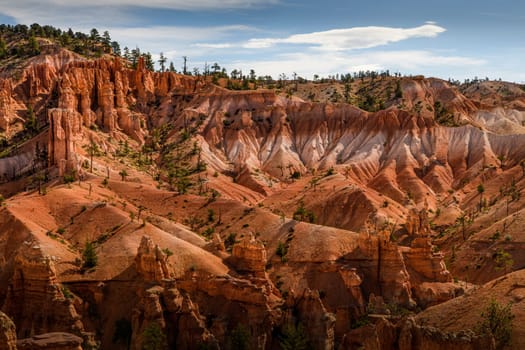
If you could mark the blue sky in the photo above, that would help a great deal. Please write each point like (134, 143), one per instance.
(458, 39)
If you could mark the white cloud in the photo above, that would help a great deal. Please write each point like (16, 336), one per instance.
(79, 18)
(175, 41)
(167, 34)
(350, 38)
(308, 63)
(259, 43)
(25, 9)
(326, 52)
(86, 14)
(168, 4)
(214, 46)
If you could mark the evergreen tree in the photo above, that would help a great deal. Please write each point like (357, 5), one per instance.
(480, 189)
(31, 124)
(94, 35)
(148, 61)
(154, 338)
(162, 62)
(127, 54)
(89, 256)
(497, 322)
(3, 49)
(116, 48)
(185, 67)
(106, 39)
(34, 47)
(293, 338)
(123, 173)
(92, 150)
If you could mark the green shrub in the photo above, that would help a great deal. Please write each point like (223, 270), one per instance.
(167, 251)
(230, 241)
(69, 178)
(89, 256)
(293, 338)
(154, 338)
(503, 259)
(67, 293)
(281, 251)
(496, 321)
(303, 214)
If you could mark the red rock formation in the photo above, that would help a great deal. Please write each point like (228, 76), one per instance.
(390, 156)
(319, 322)
(35, 300)
(384, 270)
(194, 326)
(151, 261)
(175, 315)
(429, 265)
(51, 341)
(8, 106)
(249, 255)
(393, 277)
(413, 336)
(7, 333)
(147, 313)
(64, 132)
(417, 223)
(408, 335)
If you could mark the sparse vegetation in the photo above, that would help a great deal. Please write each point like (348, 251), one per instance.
(293, 337)
(167, 251)
(503, 259)
(123, 174)
(481, 190)
(89, 256)
(154, 338)
(360, 322)
(281, 251)
(496, 321)
(67, 293)
(230, 241)
(303, 214)
(69, 178)
(443, 117)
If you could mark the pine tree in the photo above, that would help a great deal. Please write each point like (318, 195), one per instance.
(154, 338)
(3, 49)
(162, 62)
(293, 338)
(34, 47)
(89, 256)
(497, 322)
(123, 173)
(31, 124)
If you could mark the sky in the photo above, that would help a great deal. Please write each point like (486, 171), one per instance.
(456, 39)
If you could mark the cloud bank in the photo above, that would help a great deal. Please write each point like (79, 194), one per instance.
(351, 38)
